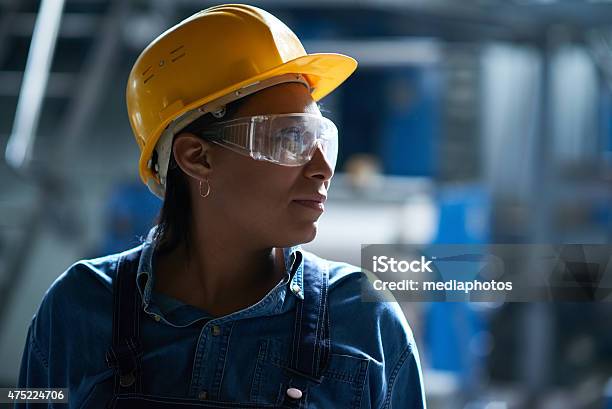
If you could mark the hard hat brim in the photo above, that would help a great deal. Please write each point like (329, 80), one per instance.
(324, 71)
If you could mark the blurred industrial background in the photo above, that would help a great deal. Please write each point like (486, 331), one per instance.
(471, 121)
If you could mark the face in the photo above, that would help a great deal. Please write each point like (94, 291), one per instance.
(272, 204)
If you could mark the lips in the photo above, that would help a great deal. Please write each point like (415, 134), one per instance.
(312, 201)
(311, 204)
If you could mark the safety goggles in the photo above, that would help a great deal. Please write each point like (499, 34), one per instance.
(284, 139)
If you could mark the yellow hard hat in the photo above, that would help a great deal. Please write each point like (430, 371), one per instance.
(210, 59)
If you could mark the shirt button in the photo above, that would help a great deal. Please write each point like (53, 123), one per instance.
(216, 330)
(202, 395)
(295, 288)
(294, 393)
(157, 318)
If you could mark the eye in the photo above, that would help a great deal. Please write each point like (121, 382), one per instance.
(291, 137)
(291, 132)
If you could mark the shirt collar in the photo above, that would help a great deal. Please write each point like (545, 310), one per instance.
(145, 278)
(293, 278)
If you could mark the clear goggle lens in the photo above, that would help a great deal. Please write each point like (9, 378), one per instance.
(284, 139)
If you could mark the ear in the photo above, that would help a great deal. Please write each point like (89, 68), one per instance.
(192, 155)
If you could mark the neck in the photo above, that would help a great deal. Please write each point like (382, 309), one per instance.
(218, 273)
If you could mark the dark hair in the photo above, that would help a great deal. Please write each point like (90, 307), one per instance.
(174, 219)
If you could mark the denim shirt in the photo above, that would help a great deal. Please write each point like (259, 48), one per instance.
(374, 362)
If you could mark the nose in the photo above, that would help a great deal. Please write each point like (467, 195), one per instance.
(318, 167)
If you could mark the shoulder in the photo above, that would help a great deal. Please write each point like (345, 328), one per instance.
(77, 294)
(352, 298)
(86, 274)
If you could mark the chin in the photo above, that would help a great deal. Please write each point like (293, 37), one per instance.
(304, 234)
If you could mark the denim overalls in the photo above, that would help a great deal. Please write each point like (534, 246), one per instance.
(309, 352)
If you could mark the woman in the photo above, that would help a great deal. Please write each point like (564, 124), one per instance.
(220, 307)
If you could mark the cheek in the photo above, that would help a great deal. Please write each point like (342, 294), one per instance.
(259, 187)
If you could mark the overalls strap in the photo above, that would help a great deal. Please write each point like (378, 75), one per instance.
(126, 351)
(311, 340)
(311, 343)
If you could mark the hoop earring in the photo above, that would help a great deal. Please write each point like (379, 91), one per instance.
(207, 190)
